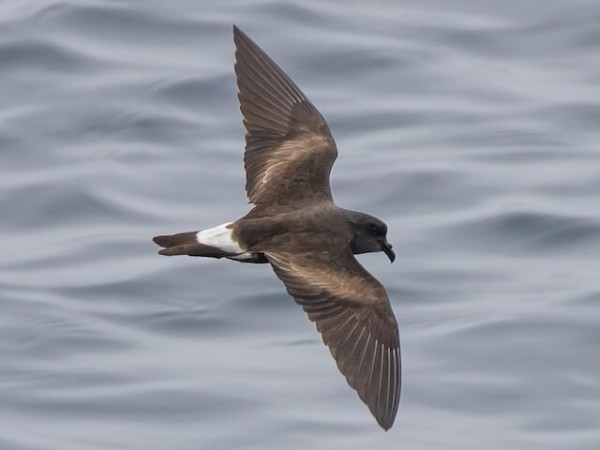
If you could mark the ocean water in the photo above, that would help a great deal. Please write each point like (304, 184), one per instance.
(471, 128)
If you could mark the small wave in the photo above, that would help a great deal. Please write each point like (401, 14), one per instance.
(529, 231)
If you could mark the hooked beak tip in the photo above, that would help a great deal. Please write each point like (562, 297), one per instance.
(387, 249)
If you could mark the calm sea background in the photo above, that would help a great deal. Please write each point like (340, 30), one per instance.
(471, 128)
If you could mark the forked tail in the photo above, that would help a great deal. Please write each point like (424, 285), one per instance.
(217, 242)
(187, 244)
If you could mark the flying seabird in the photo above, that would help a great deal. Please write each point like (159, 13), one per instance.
(310, 242)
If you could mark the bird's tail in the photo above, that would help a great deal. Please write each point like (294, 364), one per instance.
(187, 244)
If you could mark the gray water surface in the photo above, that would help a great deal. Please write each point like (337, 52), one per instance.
(471, 128)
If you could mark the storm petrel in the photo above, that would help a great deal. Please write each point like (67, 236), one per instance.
(310, 242)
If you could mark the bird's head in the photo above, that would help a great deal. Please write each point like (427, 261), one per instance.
(369, 235)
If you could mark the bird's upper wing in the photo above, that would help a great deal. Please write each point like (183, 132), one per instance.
(289, 149)
(353, 314)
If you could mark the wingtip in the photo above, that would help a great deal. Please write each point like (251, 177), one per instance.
(385, 420)
(386, 425)
(238, 34)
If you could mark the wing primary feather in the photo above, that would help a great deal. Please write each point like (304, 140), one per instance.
(268, 67)
(350, 333)
(373, 362)
(380, 383)
(389, 383)
(252, 107)
(362, 358)
(328, 331)
(357, 342)
(281, 99)
(249, 86)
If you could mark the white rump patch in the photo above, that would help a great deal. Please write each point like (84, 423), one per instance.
(221, 237)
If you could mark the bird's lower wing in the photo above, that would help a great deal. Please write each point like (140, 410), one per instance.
(353, 314)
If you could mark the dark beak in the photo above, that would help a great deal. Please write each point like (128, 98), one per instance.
(387, 248)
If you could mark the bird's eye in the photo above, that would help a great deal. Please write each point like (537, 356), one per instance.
(374, 230)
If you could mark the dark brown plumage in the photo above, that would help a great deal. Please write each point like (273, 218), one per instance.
(308, 240)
